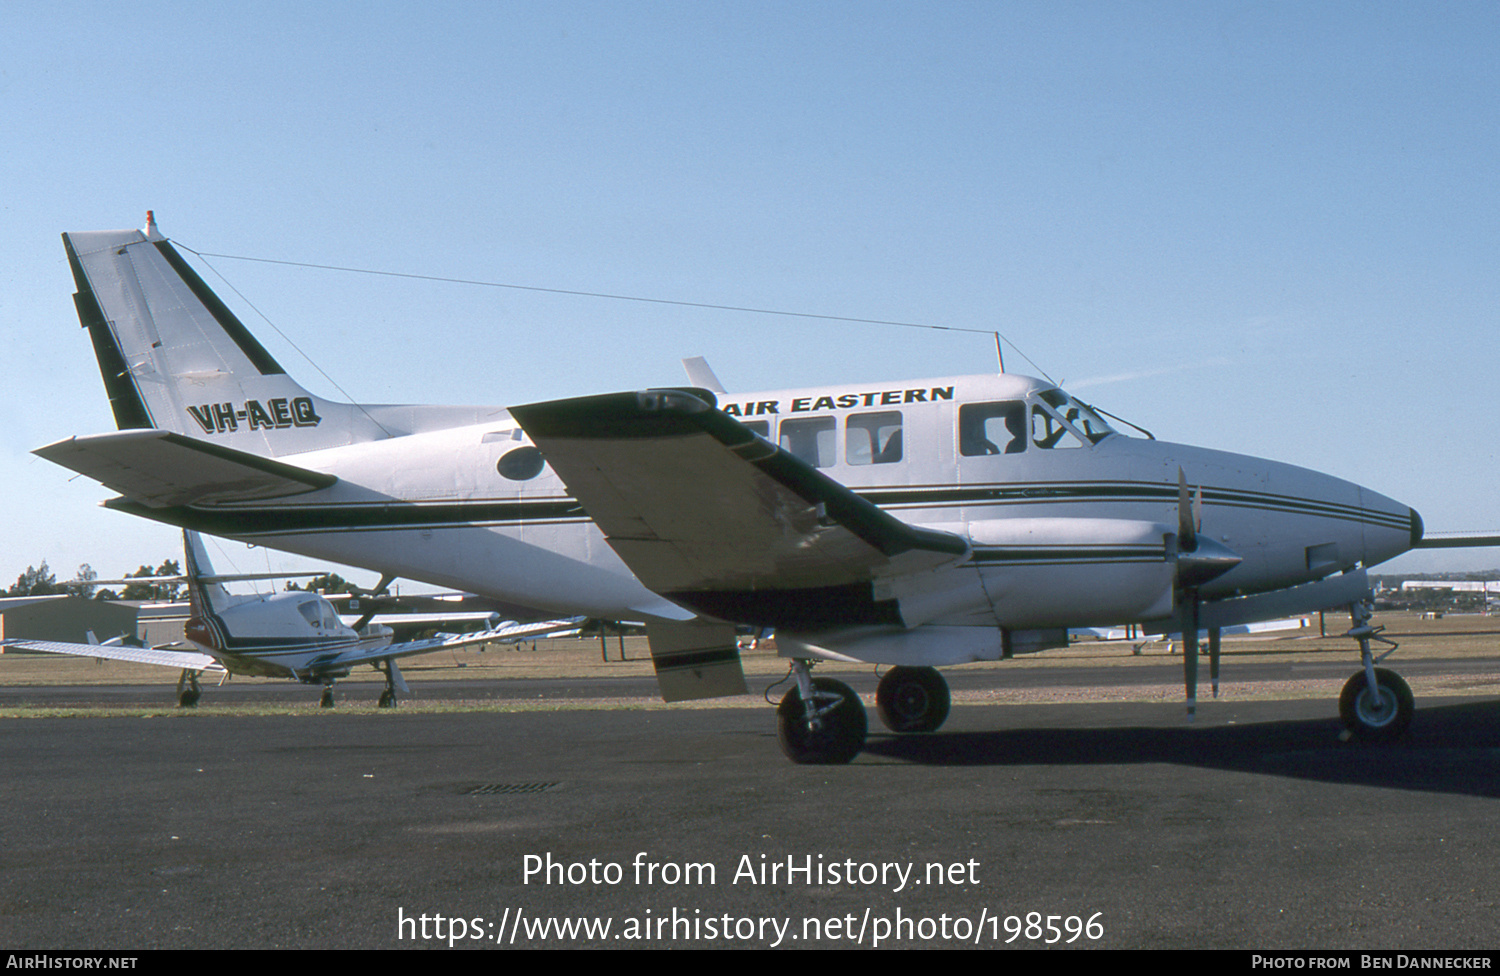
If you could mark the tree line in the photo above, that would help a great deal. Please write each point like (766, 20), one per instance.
(41, 581)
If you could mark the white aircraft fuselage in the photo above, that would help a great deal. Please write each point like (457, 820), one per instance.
(1046, 524)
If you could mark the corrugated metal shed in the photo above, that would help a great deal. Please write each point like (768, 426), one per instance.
(64, 618)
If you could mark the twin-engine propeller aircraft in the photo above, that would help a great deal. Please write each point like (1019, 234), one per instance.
(291, 634)
(915, 524)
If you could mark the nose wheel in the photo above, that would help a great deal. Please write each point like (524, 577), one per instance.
(1376, 705)
(1378, 716)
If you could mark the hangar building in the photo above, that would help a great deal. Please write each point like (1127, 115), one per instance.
(64, 618)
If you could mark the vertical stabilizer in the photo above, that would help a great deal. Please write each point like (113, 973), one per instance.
(204, 598)
(174, 357)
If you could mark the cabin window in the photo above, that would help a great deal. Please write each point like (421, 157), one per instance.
(1048, 432)
(810, 439)
(1079, 414)
(992, 428)
(873, 438)
(319, 614)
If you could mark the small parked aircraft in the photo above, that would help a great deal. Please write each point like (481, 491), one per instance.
(917, 523)
(290, 634)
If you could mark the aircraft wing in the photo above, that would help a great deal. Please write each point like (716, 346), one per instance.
(710, 515)
(191, 660)
(506, 633)
(159, 468)
(1458, 540)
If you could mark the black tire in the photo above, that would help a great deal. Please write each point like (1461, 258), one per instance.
(913, 700)
(843, 730)
(1370, 720)
(188, 699)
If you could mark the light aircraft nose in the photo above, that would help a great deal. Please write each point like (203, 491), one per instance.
(1388, 536)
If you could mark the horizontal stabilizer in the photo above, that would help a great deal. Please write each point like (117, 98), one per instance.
(192, 660)
(702, 509)
(160, 469)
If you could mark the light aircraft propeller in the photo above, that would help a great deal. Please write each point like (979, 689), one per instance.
(1199, 560)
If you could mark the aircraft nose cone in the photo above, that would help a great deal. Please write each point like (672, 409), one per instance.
(1417, 528)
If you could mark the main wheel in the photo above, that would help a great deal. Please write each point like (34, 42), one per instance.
(842, 731)
(1376, 719)
(912, 700)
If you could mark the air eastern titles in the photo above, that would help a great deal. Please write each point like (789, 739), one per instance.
(813, 870)
(878, 398)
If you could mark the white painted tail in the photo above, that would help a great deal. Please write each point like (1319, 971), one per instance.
(174, 357)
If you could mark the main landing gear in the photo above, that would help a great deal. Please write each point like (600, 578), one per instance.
(822, 721)
(912, 700)
(188, 691)
(1376, 704)
(395, 685)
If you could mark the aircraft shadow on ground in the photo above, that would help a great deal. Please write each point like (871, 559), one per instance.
(1449, 749)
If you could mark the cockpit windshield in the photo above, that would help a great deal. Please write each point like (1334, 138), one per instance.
(1077, 413)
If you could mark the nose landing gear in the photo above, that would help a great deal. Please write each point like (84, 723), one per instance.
(1376, 705)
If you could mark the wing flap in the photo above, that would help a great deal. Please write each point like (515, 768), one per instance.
(160, 469)
(693, 501)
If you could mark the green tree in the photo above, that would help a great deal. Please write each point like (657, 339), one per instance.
(154, 589)
(86, 572)
(35, 582)
(327, 583)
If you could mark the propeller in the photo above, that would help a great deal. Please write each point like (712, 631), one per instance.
(1199, 560)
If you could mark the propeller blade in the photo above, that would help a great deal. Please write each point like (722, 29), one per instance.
(1187, 527)
(1213, 657)
(1190, 650)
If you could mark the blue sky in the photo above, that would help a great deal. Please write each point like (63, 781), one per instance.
(1269, 228)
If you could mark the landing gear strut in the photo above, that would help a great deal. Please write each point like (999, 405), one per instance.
(393, 683)
(1376, 704)
(912, 700)
(821, 721)
(187, 689)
